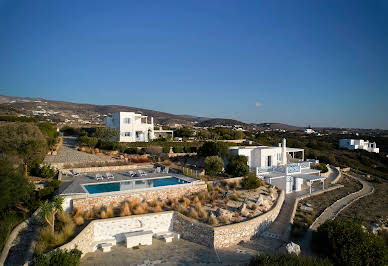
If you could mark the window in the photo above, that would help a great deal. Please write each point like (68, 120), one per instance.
(269, 160)
(126, 134)
(127, 120)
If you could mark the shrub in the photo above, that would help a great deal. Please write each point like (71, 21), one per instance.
(133, 204)
(321, 167)
(251, 182)
(344, 242)
(202, 213)
(110, 211)
(287, 260)
(79, 220)
(157, 208)
(125, 210)
(193, 213)
(212, 220)
(224, 219)
(103, 214)
(213, 165)
(237, 165)
(59, 257)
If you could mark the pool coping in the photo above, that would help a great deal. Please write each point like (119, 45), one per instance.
(91, 195)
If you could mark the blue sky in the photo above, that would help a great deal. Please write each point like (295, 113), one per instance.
(323, 63)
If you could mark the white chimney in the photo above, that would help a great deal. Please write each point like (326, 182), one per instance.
(284, 153)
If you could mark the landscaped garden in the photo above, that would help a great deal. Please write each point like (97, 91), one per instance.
(223, 203)
(309, 209)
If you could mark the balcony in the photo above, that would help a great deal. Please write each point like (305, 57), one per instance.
(292, 168)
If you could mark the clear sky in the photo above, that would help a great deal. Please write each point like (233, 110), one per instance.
(323, 63)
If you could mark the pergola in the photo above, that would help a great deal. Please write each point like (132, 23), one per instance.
(313, 178)
(292, 152)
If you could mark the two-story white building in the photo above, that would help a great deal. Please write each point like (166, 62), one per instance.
(279, 165)
(358, 144)
(132, 127)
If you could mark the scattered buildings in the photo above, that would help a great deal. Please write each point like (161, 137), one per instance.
(358, 144)
(279, 166)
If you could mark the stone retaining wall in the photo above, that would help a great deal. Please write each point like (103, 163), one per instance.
(226, 235)
(117, 199)
(111, 168)
(232, 234)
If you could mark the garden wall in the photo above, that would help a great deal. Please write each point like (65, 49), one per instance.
(111, 168)
(116, 227)
(226, 235)
(116, 199)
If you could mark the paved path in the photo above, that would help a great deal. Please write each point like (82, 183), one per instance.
(332, 211)
(23, 246)
(68, 154)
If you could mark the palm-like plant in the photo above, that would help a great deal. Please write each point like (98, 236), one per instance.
(50, 209)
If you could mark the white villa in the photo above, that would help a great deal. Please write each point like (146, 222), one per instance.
(134, 127)
(279, 166)
(358, 144)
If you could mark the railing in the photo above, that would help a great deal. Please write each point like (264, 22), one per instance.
(305, 165)
(291, 168)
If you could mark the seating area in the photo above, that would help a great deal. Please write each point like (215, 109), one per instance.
(101, 177)
(134, 239)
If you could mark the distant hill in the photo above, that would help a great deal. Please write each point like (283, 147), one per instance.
(60, 111)
(222, 122)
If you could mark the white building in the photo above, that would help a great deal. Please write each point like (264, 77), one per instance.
(135, 127)
(358, 144)
(308, 131)
(132, 127)
(279, 166)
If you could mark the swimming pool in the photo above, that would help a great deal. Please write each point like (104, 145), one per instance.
(133, 184)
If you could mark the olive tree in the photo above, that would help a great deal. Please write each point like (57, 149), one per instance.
(213, 165)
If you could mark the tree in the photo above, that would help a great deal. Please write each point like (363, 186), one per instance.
(213, 165)
(106, 133)
(50, 209)
(287, 260)
(14, 186)
(24, 140)
(344, 242)
(251, 182)
(184, 132)
(212, 148)
(237, 165)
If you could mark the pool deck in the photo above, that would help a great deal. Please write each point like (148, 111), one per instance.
(89, 178)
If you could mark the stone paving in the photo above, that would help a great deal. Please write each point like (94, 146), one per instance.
(178, 252)
(68, 154)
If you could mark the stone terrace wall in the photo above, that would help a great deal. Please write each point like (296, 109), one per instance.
(193, 230)
(83, 240)
(228, 235)
(117, 199)
(111, 168)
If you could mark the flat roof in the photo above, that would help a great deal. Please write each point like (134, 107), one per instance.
(293, 149)
(310, 177)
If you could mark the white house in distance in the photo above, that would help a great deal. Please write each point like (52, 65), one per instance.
(134, 127)
(279, 166)
(358, 144)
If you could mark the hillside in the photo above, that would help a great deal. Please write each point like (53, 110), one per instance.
(60, 111)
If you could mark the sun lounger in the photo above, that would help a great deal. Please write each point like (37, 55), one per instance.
(142, 173)
(166, 170)
(132, 174)
(99, 177)
(76, 173)
(109, 176)
(157, 169)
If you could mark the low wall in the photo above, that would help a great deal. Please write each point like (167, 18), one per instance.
(226, 235)
(117, 199)
(232, 234)
(116, 227)
(338, 171)
(111, 168)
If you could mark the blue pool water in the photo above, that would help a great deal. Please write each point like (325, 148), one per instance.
(133, 184)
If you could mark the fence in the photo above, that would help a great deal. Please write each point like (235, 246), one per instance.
(190, 172)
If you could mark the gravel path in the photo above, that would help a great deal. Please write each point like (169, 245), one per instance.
(332, 211)
(68, 154)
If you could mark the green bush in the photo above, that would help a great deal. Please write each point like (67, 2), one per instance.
(44, 171)
(287, 260)
(212, 148)
(251, 182)
(213, 165)
(59, 257)
(344, 242)
(321, 167)
(131, 150)
(8, 220)
(237, 166)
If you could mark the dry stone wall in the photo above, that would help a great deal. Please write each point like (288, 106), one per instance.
(117, 199)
